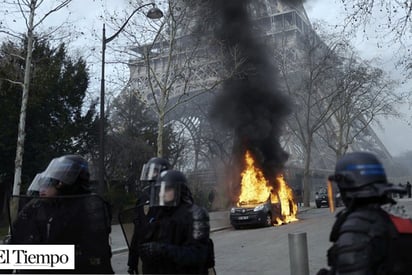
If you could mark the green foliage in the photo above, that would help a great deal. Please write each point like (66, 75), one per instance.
(119, 199)
(4, 231)
(132, 139)
(55, 122)
(200, 192)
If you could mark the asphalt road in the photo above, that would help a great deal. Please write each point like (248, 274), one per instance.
(266, 250)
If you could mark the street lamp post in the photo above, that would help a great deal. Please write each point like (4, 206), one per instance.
(153, 13)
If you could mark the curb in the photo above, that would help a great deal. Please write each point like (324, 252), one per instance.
(220, 228)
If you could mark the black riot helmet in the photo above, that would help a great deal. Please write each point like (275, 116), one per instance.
(170, 189)
(70, 173)
(152, 169)
(361, 175)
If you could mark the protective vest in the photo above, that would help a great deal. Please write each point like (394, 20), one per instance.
(371, 241)
(186, 229)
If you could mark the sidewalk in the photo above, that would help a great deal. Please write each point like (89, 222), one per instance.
(219, 220)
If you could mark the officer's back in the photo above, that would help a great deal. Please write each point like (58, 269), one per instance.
(67, 213)
(366, 238)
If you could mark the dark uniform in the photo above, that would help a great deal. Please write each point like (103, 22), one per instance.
(73, 217)
(149, 175)
(366, 238)
(175, 239)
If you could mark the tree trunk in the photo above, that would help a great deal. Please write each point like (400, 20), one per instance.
(160, 125)
(306, 174)
(25, 96)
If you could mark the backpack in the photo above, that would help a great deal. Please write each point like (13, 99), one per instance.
(400, 259)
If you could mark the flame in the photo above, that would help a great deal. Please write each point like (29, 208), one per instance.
(255, 188)
(288, 204)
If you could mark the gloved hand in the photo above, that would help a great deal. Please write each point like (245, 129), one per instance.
(131, 270)
(152, 250)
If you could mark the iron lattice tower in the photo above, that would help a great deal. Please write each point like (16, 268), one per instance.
(278, 21)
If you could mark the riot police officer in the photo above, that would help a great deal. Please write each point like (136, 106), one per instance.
(175, 240)
(69, 214)
(149, 175)
(151, 171)
(366, 238)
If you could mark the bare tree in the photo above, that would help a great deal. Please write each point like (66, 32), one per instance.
(396, 15)
(365, 93)
(33, 17)
(388, 21)
(177, 66)
(306, 70)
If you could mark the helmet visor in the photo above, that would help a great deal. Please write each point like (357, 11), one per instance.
(39, 184)
(34, 187)
(64, 170)
(150, 172)
(164, 194)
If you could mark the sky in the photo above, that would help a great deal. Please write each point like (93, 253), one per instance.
(396, 134)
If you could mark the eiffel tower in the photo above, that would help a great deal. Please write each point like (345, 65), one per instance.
(276, 19)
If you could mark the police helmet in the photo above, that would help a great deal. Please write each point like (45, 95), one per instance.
(170, 189)
(152, 169)
(34, 188)
(362, 175)
(70, 173)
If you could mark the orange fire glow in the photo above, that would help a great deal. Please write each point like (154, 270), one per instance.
(255, 188)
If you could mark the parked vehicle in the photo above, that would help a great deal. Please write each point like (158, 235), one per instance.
(255, 213)
(322, 200)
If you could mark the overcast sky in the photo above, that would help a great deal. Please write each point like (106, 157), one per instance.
(396, 134)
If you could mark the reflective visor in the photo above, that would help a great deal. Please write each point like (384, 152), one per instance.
(38, 180)
(150, 172)
(164, 194)
(65, 170)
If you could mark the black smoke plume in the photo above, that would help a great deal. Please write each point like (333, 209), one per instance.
(251, 103)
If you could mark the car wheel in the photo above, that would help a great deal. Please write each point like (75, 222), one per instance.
(317, 205)
(236, 226)
(268, 219)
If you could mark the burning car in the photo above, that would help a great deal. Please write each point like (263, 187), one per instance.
(260, 203)
(255, 213)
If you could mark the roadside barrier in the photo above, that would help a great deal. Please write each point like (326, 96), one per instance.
(298, 253)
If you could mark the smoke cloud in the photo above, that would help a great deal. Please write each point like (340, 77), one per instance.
(251, 103)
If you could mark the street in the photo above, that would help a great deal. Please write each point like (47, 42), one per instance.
(266, 250)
